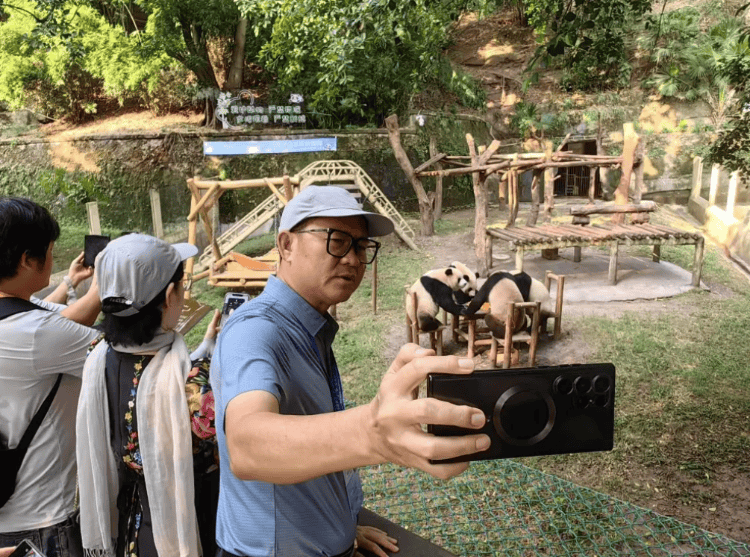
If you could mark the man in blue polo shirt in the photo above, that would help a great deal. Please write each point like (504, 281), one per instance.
(289, 449)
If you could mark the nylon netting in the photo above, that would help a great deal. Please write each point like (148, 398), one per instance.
(505, 508)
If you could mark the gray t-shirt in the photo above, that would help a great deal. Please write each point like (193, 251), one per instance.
(35, 346)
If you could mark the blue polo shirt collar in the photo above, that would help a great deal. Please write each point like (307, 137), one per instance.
(291, 303)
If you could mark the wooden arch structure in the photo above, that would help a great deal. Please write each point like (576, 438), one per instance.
(215, 258)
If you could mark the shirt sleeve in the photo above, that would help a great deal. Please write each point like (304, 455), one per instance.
(248, 358)
(51, 306)
(60, 345)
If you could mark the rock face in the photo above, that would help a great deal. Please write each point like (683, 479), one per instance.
(5, 119)
(22, 118)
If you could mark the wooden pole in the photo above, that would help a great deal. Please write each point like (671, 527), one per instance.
(192, 234)
(628, 157)
(549, 187)
(374, 269)
(288, 191)
(92, 210)
(480, 210)
(153, 194)
(438, 180)
(534, 212)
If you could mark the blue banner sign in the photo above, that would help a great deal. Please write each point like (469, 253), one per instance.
(224, 148)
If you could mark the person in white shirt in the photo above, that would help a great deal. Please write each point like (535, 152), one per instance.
(37, 346)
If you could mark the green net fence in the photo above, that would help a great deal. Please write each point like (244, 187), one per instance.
(505, 508)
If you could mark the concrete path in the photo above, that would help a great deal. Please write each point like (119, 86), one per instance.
(637, 277)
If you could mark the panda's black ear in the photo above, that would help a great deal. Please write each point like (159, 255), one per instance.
(449, 271)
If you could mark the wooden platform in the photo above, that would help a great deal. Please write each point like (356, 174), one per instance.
(547, 236)
(239, 272)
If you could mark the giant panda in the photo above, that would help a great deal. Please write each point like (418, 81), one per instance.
(501, 288)
(448, 288)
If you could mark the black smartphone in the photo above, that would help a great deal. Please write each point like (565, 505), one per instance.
(27, 549)
(92, 245)
(232, 301)
(534, 411)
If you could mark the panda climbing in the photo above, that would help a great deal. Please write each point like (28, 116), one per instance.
(503, 287)
(448, 288)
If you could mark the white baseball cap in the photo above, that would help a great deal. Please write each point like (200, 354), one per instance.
(331, 201)
(134, 268)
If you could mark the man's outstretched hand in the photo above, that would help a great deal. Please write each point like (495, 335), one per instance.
(397, 416)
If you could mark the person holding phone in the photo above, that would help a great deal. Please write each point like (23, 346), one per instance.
(145, 429)
(42, 350)
(288, 446)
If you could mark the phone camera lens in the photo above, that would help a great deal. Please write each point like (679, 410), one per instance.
(601, 384)
(563, 385)
(582, 385)
(601, 400)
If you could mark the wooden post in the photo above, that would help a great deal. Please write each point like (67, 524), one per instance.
(628, 156)
(697, 185)
(438, 181)
(534, 212)
(592, 183)
(288, 191)
(714, 185)
(192, 234)
(374, 269)
(92, 209)
(612, 276)
(698, 262)
(732, 192)
(480, 212)
(153, 195)
(549, 186)
(638, 171)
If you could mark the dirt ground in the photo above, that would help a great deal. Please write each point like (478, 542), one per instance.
(731, 516)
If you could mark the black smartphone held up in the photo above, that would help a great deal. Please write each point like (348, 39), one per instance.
(534, 411)
(27, 549)
(232, 301)
(92, 245)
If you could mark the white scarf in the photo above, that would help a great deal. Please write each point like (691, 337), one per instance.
(165, 445)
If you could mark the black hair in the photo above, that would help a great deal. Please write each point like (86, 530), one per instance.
(25, 227)
(138, 329)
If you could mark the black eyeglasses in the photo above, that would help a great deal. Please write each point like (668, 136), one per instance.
(339, 243)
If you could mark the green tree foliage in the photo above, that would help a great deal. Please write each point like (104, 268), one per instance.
(688, 60)
(355, 61)
(588, 39)
(732, 149)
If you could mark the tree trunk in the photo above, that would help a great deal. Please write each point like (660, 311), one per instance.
(426, 203)
(234, 79)
(481, 202)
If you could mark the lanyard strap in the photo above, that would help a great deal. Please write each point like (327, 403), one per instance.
(334, 379)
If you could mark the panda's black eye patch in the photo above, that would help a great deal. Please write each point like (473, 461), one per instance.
(466, 278)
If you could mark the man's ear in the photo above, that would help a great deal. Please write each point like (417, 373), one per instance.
(284, 244)
(27, 262)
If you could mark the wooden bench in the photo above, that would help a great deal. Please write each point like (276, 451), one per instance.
(580, 234)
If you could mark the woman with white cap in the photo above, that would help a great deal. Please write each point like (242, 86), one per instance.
(134, 445)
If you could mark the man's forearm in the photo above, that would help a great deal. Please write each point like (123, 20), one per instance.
(59, 295)
(284, 449)
(85, 310)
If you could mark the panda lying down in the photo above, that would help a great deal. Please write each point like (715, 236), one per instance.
(448, 288)
(503, 287)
